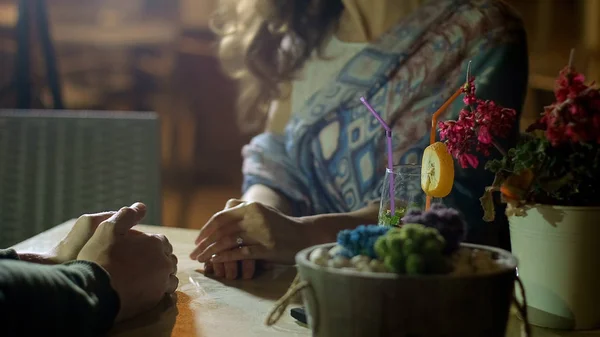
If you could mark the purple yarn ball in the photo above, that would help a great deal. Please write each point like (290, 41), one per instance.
(448, 221)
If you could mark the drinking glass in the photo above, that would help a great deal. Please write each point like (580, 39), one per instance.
(407, 190)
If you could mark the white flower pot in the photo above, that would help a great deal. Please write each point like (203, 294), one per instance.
(559, 263)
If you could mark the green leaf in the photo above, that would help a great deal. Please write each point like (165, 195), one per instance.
(552, 186)
(487, 203)
(565, 174)
(496, 165)
(487, 199)
(498, 181)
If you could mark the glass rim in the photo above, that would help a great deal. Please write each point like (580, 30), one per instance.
(396, 169)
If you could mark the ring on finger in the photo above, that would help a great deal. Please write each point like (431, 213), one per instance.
(239, 241)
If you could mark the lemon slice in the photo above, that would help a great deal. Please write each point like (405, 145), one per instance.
(437, 171)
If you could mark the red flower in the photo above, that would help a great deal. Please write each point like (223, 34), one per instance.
(468, 159)
(568, 84)
(484, 135)
(575, 116)
(459, 137)
(477, 126)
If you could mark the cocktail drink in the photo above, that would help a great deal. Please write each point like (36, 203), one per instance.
(407, 193)
(435, 175)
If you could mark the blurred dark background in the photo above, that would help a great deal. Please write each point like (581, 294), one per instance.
(158, 55)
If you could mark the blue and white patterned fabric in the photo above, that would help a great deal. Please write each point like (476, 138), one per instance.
(332, 156)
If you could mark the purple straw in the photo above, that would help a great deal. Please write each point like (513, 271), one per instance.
(388, 135)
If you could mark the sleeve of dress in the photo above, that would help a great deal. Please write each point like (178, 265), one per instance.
(501, 73)
(267, 162)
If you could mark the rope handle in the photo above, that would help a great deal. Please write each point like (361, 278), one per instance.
(275, 314)
(522, 308)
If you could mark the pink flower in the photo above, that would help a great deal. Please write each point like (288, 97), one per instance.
(469, 100)
(572, 118)
(484, 135)
(579, 78)
(467, 159)
(476, 127)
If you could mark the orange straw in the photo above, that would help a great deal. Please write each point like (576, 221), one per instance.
(434, 129)
(439, 112)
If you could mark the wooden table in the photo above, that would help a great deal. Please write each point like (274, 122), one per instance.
(206, 307)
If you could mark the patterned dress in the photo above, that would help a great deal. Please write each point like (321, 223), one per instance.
(332, 159)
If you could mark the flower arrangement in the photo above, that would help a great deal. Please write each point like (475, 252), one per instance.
(480, 123)
(555, 162)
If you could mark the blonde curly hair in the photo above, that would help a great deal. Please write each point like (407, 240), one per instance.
(263, 43)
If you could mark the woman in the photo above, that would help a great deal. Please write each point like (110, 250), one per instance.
(319, 164)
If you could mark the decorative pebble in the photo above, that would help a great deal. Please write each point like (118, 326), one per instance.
(465, 261)
(319, 256)
(360, 259)
(339, 262)
(364, 267)
(377, 266)
(474, 261)
(335, 251)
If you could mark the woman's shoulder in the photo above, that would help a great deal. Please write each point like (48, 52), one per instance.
(490, 14)
(495, 20)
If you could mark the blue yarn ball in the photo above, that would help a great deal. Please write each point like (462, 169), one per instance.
(361, 240)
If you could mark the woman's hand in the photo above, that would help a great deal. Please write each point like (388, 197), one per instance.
(230, 270)
(249, 231)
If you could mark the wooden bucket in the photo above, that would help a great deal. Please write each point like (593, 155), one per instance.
(347, 303)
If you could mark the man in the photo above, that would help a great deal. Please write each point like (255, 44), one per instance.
(101, 272)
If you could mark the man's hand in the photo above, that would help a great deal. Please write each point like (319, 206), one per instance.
(68, 248)
(141, 266)
(83, 230)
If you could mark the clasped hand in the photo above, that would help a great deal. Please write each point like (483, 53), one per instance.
(247, 232)
(142, 267)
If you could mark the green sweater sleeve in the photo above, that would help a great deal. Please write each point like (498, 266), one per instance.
(74, 299)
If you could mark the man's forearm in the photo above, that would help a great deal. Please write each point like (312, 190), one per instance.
(61, 300)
